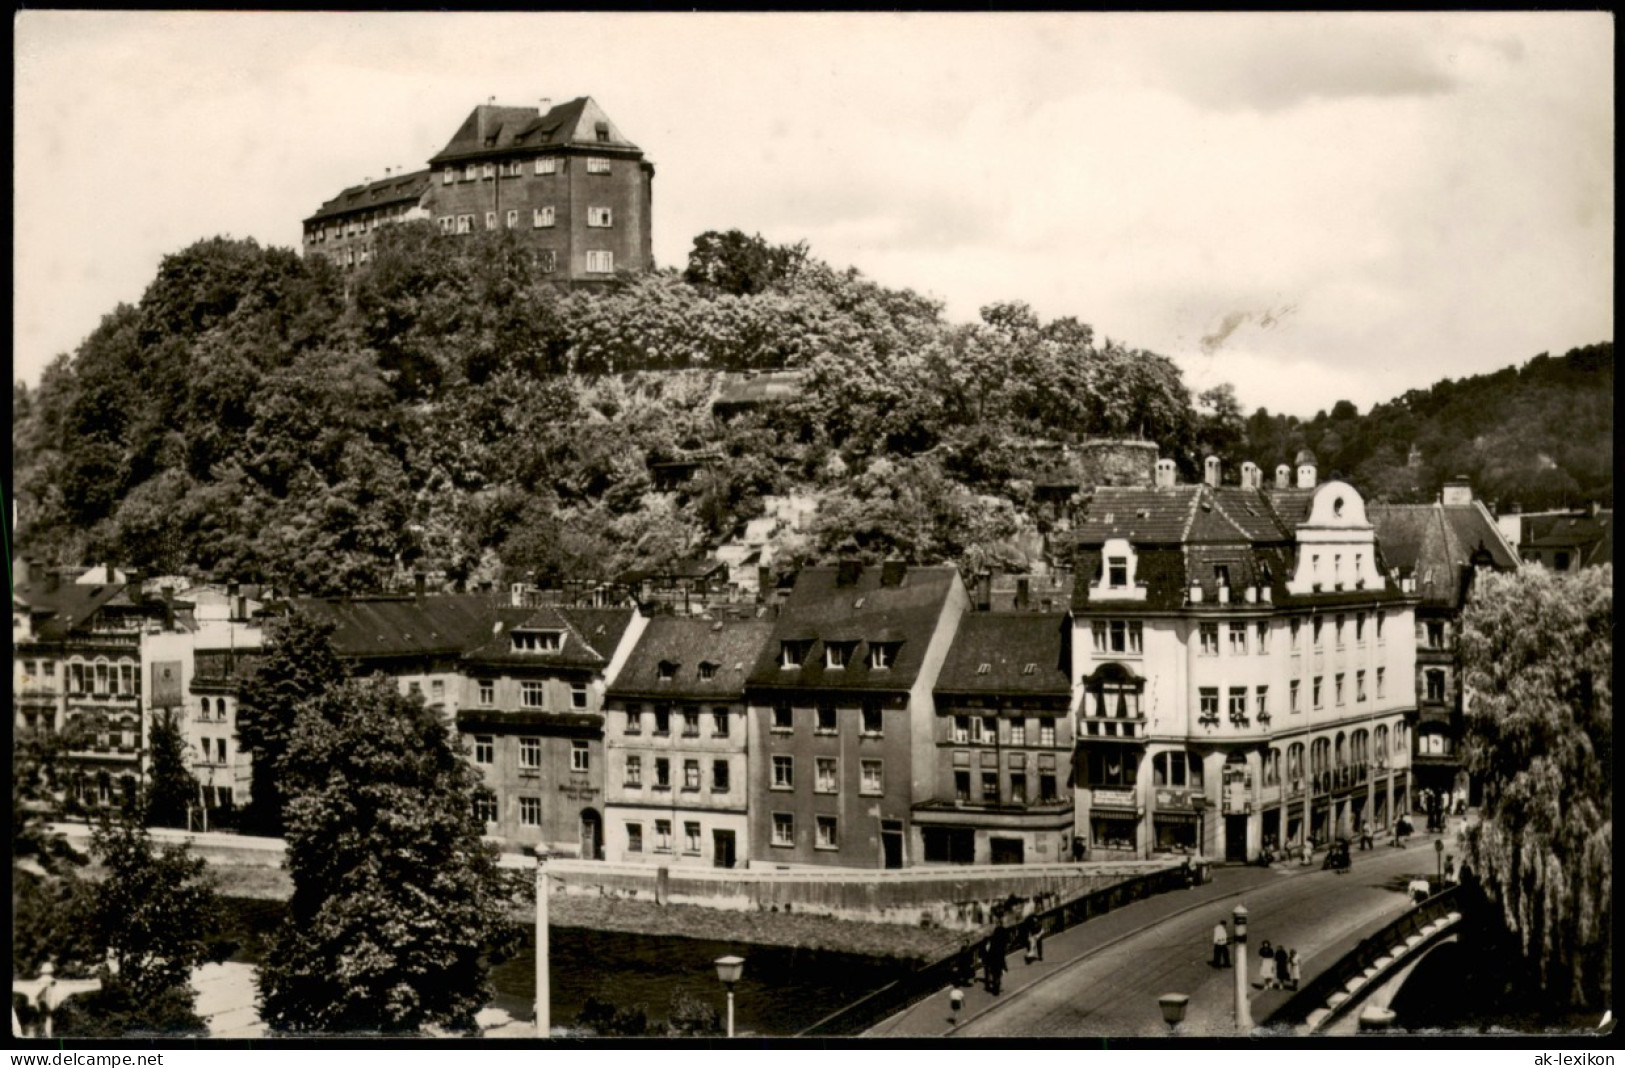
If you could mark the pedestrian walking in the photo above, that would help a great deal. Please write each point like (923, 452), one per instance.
(1449, 871)
(1221, 945)
(1035, 940)
(1366, 835)
(1294, 973)
(1266, 965)
(993, 963)
(1077, 849)
(956, 1004)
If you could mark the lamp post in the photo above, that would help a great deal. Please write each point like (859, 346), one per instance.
(1244, 1017)
(1173, 1010)
(544, 1023)
(729, 969)
(1438, 856)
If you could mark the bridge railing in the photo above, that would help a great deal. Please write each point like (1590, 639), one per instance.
(1295, 1011)
(960, 965)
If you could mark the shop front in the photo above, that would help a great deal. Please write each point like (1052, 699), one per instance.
(1114, 824)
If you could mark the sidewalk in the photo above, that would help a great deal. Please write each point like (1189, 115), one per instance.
(930, 1015)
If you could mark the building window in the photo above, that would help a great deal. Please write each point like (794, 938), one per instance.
(488, 170)
(634, 721)
(1210, 638)
(1116, 571)
(662, 836)
(662, 773)
(691, 774)
(708, 671)
(1263, 633)
(1318, 624)
(1018, 787)
(873, 779)
(513, 218)
(530, 812)
(961, 730)
(826, 832)
(542, 218)
(1294, 632)
(101, 678)
(824, 775)
(838, 654)
(599, 217)
(825, 723)
(634, 837)
(662, 721)
(1359, 628)
(580, 756)
(1293, 696)
(488, 693)
(448, 176)
(485, 806)
(530, 752)
(1314, 693)
(784, 829)
(872, 720)
(719, 776)
(600, 262)
(578, 695)
(1046, 730)
(470, 172)
(1262, 695)
(719, 723)
(1238, 702)
(597, 165)
(601, 129)
(465, 224)
(1209, 696)
(485, 749)
(990, 787)
(1018, 731)
(1177, 769)
(791, 653)
(437, 690)
(1381, 682)
(547, 165)
(1381, 618)
(1435, 686)
(490, 220)
(691, 724)
(1340, 621)
(783, 718)
(784, 773)
(961, 785)
(882, 655)
(984, 730)
(1359, 686)
(1338, 684)
(537, 641)
(1435, 635)
(691, 838)
(1238, 639)
(1122, 636)
(532, 694)
(633, 777)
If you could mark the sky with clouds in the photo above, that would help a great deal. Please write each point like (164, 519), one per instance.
(1311, 207)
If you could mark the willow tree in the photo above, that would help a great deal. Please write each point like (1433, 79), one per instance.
(1537, 649)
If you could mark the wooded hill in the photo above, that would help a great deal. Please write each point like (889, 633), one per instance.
(449, 409)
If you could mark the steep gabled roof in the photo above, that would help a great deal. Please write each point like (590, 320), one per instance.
(1005, 644)
(589, 637)
(61, 610)
(493, 129)
(1435, 543)
(732, 647)
(385, 627)
(820, 610)
(387, 192)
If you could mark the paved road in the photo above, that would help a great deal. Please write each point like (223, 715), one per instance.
(1114, 991)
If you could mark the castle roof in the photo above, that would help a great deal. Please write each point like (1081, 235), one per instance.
(493, 129)
(369, 196)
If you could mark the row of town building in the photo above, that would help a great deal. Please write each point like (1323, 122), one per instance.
(1224, 668)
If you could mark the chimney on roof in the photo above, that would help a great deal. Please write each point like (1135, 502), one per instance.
(984, 590)
(132, 586)
(1283, 477)
(1023, 591)
(1306, 470)
(420, 583)
(1210, 471)
(53, 579)
(1458, 492)
(892, 572)
(111, 578)
(847, 572)
(1165, 473)
(547, 105)
(169, 608)
(1251, 476)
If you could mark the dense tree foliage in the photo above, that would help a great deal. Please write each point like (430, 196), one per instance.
(171, 789)
(395, 896)
(299, 666)
(1539, 436)
(1537, 648)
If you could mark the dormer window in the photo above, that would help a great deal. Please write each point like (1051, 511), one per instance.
(668, 671)
(1221, 574)
(602, 131)
(838, 654)
(983, 669)
(1029, 669)
(708, 670)
(791, 654)
(537, 641)
(883, 654)
(1117, 571)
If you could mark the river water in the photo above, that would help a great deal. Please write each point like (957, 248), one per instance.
(783, 989)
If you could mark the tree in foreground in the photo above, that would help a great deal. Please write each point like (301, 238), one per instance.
(171, 789)
(299, 666)
(1537, 649)
(396, 900)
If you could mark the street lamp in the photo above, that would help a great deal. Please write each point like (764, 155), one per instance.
(544, 1023)
(1173, 1009)
(1244, 1018)
(729, 969)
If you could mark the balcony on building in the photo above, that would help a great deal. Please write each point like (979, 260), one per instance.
(1113, 705)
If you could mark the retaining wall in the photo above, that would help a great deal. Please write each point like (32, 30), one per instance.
(241, 849)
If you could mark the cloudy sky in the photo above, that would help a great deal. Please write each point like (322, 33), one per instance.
(1311, 207)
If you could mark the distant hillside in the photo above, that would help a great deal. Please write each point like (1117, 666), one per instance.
(1538, 436)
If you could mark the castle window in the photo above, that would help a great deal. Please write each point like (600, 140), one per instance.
(597, 165)
(600, 263)
(547, 261)
(465, 224)
(448, 224)
(470, 172)
(547, 165)
(602, 130)
(490, 220)
(542, 217)
(448, 176)
(489, 171)
(513, 218)
(599, 217)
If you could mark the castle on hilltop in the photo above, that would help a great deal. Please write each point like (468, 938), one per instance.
(564, 178)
